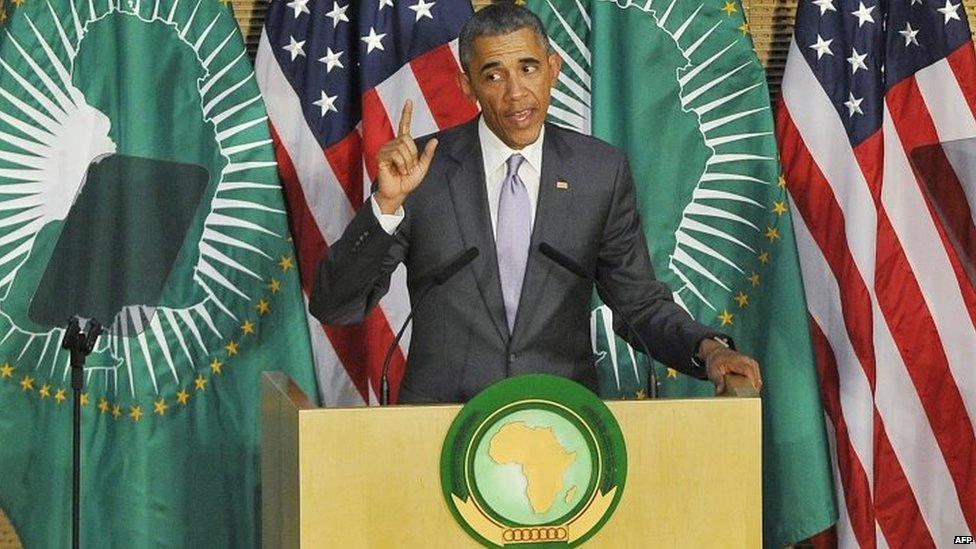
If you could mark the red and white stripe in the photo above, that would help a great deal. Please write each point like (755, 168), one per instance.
(324, 188)
(893, 313)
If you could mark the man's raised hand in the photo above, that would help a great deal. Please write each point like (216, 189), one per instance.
(401, 168)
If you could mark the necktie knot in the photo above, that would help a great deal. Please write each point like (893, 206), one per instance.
(514, 163)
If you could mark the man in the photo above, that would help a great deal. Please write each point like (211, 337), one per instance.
(505, 183)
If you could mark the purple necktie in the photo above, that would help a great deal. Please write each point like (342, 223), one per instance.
(512, 236)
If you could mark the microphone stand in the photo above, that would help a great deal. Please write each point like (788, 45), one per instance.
(572, 266)
(652, 380)
(443, 275)
(80, 346)
(385, 379)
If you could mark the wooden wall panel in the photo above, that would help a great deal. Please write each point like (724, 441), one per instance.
(250, 17)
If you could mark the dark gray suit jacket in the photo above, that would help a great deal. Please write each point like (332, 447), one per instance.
(461, 341)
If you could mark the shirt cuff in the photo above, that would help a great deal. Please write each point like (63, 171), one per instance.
(389, 222)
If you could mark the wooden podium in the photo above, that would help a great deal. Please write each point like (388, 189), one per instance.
(369, 477)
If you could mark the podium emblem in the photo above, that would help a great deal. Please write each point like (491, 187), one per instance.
(533, 460)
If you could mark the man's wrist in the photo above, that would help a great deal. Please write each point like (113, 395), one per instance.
(389, 206)
(389, 222)
(707, 346)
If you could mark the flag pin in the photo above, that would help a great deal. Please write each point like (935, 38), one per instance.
(562, 185)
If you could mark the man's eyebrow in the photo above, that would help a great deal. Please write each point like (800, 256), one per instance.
(524, 60)
(490, 65)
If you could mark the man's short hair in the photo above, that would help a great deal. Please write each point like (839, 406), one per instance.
(495, 20)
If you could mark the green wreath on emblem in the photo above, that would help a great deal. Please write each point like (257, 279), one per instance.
(533, 460)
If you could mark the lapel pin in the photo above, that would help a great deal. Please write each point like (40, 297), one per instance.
(562, 185)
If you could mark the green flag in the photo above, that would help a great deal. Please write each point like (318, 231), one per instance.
(138, 187)
(679, 87)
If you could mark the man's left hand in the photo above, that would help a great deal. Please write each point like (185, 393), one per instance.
(720, 361)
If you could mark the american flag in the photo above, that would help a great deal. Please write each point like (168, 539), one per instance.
(335, 75)
(876, 126)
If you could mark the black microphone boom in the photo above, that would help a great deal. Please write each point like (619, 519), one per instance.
(572, 266)
(453, 267)
(564, 261)
(440, 277)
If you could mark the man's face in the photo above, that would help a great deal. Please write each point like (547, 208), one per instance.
(511, 77)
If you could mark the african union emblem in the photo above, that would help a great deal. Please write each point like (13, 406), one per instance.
(534, 459)
(139, 188)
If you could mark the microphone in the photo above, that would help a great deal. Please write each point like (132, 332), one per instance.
(444, 274)
(572, 266)
(453, 267)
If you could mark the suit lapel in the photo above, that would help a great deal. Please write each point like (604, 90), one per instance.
(470, 197)
(554, 205)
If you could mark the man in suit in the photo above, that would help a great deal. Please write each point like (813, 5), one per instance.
(504, 183)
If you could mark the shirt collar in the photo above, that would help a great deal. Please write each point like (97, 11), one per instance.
(496, 152)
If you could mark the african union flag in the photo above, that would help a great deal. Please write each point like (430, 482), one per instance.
(138, 187)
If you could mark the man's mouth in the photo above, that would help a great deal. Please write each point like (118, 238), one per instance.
(520, 117)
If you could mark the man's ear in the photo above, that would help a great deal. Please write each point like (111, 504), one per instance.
(464, 81)
(555, 64)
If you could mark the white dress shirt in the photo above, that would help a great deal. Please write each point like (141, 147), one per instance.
(495, 154)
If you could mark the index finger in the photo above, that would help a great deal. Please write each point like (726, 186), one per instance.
(404, 128)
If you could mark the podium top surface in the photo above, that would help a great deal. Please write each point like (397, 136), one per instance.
(737, 387)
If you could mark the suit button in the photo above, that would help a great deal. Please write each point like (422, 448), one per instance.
(511, 357)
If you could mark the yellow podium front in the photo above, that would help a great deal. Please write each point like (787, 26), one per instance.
(370, 477)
